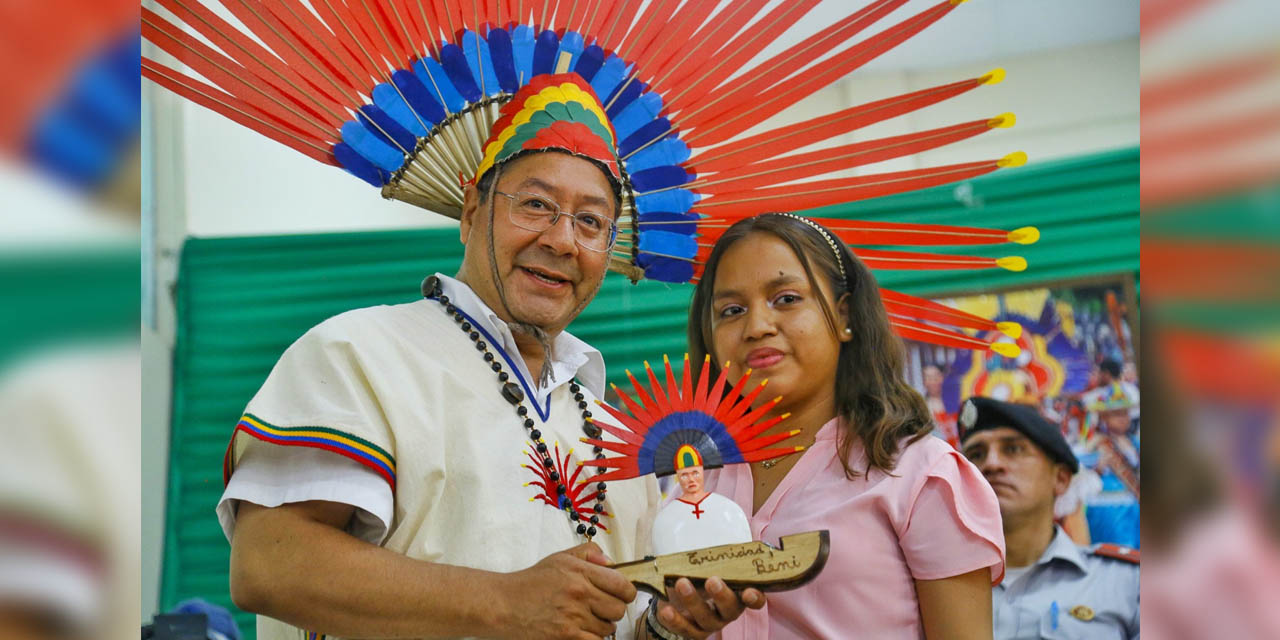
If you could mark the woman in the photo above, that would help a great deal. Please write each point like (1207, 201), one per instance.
(916, 541)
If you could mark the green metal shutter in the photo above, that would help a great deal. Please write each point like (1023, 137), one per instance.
(242, 301)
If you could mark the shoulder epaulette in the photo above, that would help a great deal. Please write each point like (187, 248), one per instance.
(1117, 552)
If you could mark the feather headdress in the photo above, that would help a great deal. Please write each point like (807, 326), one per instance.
(404, 94)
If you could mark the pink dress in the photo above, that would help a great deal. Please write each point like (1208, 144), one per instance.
(935, 517)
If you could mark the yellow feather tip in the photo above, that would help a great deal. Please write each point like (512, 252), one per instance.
(706, 358)
(1012, 263)
(994, 76)
(793, 432)
(1011, 329)
(786, 415)
(1003, 121)
(764, 382)
(955, 2)
(686, 356)
(1025, 235)
(1006, 349)
(534, 499)
(800, 447)
(1015, 159)
(665, 360)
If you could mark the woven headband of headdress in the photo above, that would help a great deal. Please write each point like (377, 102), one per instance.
(405, 95)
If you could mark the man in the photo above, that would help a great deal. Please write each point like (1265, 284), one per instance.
(430, 521)
(697, 518)
(1112, 387)
(1051, 588)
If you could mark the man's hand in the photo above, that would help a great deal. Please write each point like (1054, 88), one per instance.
(570, 594)
(698, 615)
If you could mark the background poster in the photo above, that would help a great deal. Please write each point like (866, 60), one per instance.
(1068, 329)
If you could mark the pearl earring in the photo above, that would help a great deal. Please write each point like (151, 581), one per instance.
(848, 331)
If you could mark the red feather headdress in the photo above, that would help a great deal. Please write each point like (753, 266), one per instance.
(404, 94)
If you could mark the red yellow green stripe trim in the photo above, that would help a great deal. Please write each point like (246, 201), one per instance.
(354, 447)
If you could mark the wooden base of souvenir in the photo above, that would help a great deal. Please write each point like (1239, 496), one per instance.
(797, 560)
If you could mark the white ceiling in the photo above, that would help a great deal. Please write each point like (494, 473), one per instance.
(987, 29)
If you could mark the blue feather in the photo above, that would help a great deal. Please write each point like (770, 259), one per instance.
(503, 62)
(685, 220)
(455, 64)
(670, 426)
(663, 177)
(377, 152)
(419, 96)
(589, 63)
(674, 200)
(624, 97)
(610, 76)
(668, 270)
(480, 61)
(387, 129)
(522, 44)
(572, 45)
(389, 100)
(437, 82)
(645, 134)
(665, 243)
(641, 112)
(544, 53)
(356, 165)
(671, 151)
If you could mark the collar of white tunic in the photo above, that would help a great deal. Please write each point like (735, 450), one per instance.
(571, 356)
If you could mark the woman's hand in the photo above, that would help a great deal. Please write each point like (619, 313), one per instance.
(694, 614)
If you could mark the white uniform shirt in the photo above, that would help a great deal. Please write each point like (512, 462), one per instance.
(1068, 593)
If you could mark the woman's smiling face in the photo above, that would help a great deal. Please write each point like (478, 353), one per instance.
(767, 317)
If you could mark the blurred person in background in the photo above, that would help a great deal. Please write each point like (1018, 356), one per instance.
(944, 422)
(1111, 384)
(1112, 449)
(1051, 588)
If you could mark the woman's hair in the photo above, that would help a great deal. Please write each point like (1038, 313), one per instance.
(873, 399)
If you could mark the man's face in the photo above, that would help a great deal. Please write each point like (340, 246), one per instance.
(690, 479)
(933, 381)
(1023, 477)
(547, 276)
(1115, 421)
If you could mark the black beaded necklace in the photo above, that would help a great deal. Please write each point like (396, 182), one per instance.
(584, 521)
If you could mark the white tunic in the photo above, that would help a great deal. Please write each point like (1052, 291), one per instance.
(684, 526)
(404, 395)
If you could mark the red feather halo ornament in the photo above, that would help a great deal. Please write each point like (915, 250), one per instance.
(669, 420)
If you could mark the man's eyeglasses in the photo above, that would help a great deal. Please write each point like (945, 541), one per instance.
(591, 230)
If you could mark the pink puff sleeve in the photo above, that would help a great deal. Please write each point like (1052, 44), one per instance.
(953, 525)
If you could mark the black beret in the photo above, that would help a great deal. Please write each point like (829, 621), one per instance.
(979, 414)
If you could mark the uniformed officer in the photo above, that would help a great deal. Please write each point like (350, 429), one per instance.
(1051, 587)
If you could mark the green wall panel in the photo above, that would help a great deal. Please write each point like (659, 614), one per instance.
(242, 301)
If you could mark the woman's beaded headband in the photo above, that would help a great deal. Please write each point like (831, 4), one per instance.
(830, 241)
